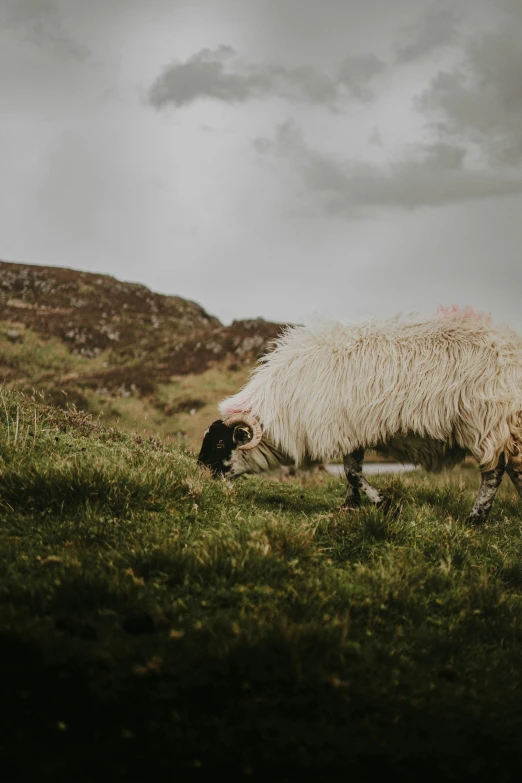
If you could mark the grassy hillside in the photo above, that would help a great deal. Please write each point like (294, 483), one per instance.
(136, 360)
(157, 623)
(140, 360)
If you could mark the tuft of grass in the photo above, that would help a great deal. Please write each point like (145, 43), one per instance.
(155, 621)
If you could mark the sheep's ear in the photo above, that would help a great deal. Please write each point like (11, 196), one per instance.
(242, 435)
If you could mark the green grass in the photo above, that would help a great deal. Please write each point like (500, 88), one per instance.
(37, 360)
(155, 622)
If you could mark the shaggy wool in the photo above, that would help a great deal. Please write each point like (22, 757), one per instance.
(425, 389)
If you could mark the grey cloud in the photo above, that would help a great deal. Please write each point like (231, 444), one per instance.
(443, 157)
(511, 7)
(482, 100)
(39, 21)
(437, 27)
(357, 71)
(203, 75)
(221, 75)
(431, 175)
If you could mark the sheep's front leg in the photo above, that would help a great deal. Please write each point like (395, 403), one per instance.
(356, 482)
(489, 484)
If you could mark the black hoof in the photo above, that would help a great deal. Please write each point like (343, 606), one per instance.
(351, 503)
(476, 519)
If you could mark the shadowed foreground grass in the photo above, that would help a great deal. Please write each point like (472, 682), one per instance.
(155, 622)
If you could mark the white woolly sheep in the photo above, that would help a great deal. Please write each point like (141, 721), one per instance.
(423, 390)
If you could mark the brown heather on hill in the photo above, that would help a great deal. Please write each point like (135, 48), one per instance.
(94, 341)
(91, 313)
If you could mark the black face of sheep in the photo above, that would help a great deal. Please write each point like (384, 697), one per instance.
(218, 444)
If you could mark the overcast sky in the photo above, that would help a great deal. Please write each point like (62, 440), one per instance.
(274, 158)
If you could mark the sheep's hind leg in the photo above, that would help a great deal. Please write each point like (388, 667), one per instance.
(356, 482)
(515, 474)
(489, 484)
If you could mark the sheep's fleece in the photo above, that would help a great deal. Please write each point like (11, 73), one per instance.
(424, 390)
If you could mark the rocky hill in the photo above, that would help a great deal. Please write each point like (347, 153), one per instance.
(118, 349)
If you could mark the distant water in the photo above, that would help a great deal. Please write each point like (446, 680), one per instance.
(374, 468)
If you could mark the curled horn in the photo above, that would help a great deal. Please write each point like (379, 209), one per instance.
(249, 421)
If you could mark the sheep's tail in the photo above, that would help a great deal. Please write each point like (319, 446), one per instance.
(513, 450)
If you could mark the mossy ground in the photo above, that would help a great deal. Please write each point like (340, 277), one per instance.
(155, 622)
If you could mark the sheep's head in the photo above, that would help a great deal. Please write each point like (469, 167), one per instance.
(226, 442)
